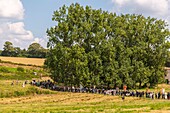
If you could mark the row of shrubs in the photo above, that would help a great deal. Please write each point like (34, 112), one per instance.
(7, 70)
(20, 69)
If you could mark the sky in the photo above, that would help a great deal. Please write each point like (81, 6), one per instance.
(23, 22)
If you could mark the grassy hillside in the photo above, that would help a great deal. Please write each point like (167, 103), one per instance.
(20, 73)
(17, 90)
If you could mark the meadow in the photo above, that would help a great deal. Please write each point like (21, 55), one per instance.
(20, 73)
(31, 99)
(16, 90)
(81, 102)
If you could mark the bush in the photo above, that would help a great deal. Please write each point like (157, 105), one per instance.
(18, 93)
(20, 69)
(4, 69)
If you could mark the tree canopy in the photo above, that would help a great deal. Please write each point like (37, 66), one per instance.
(8, 49)
(95, 47)
(35, 50)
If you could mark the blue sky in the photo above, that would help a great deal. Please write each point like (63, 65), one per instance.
(38, 17)
(25, 21)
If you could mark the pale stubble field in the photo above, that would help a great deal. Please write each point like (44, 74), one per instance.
(31, 61)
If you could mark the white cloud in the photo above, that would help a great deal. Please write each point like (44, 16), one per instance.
(1, 31)
(36, 40)
(168, 21)
(41, 41)
(15, 33)
(17, 30)
(10, 30)
(154, 7)
(12, 9)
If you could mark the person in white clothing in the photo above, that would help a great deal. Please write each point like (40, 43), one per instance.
(23, 85)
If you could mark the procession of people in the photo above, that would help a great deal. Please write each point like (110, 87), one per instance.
(162, 94)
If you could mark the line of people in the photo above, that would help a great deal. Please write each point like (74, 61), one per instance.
(134, 93)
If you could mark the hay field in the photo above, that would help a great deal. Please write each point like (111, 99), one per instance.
(31, 61)
(28, 100)
(81, 103)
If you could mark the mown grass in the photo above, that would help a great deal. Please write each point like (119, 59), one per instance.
(82, 102)
(31, 99)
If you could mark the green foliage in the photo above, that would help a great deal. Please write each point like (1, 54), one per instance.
(16, 90)
(18, 76)
(36, 51)
(4, 69)
(20, 69)
(19, 73)
(8, 49)
(95, 47)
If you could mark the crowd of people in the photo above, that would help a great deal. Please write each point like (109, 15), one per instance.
(134, 93)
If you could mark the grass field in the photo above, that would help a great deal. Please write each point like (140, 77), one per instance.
(20, 73)
(32, 61)
(81, 103)
(30, 99)
(16, 90)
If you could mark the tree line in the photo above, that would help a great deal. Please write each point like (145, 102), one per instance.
(95, 47)
(35, 50)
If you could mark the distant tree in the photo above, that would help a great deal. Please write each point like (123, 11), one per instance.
(8, 49)
(17, 52)
(24, 53)
(35, 50)
(0, 52)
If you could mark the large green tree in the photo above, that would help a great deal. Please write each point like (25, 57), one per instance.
(95, 47)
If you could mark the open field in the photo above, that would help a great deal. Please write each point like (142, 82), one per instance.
(31, 61)
(81, 102)
(30, 99)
